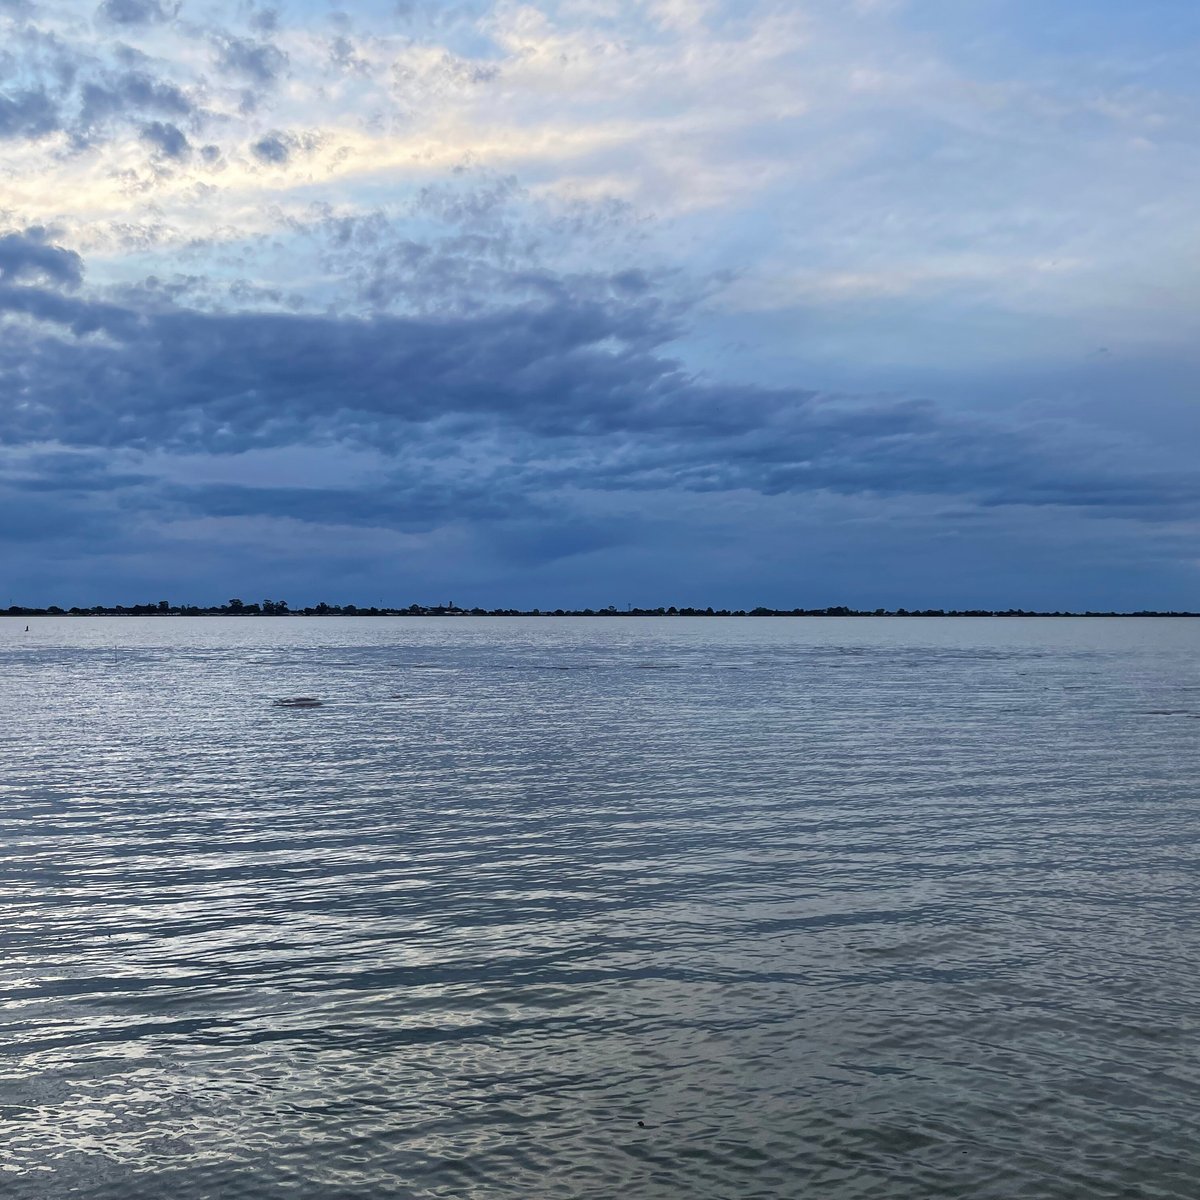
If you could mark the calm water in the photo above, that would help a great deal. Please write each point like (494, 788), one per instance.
(567, 908)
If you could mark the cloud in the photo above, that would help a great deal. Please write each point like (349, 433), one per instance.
(266, 20)
(399, 504)
(57, 84)
(81, 472)
(609, 258)
(259, 62)
(134, 12)
(27, 113)
(29, 255)
(274, 148)
(574, 393)
(168, 139)
(128, 94)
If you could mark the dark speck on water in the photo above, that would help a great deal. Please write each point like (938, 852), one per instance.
(847, 909)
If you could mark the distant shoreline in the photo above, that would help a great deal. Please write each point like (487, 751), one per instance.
(274, 609)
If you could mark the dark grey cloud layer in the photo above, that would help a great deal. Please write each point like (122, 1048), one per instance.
(29, 255)
(570, 392)
(530, 439)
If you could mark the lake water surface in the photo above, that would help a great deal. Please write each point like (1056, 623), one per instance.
(609, 908)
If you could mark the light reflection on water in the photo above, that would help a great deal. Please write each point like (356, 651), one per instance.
(832, 907)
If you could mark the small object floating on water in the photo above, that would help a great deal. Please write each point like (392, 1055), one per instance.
(298, 702)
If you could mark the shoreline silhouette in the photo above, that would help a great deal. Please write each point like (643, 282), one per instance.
(280, 608)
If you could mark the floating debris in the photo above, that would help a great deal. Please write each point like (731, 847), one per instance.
(299, 702)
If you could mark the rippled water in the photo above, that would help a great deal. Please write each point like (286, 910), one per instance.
(570, 908)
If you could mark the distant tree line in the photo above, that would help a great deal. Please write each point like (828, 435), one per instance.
(280, 608)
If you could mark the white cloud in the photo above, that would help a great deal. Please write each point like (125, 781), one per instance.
(819, 152)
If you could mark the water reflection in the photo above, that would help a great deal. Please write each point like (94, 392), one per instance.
(844, 909)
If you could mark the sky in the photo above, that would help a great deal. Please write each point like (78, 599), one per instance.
(586, 302)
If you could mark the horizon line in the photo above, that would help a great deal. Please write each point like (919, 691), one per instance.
(280, 608)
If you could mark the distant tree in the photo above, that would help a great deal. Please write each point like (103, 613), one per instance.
(236, 605)
(163, 606)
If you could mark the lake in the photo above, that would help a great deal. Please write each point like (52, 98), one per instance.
(660, 909)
